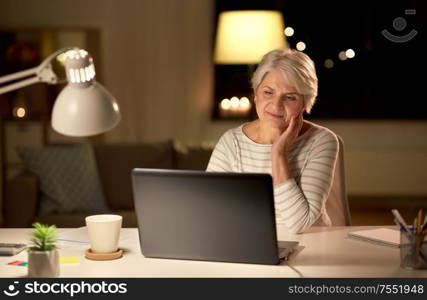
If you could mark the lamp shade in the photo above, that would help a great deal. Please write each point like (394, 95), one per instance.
(243, 37)
(84, 110)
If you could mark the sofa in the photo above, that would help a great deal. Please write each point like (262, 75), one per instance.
(114, 164)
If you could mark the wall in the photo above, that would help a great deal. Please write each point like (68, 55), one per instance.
(156, 57)
(156, 60)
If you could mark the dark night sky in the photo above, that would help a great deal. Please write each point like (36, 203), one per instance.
(384, 80)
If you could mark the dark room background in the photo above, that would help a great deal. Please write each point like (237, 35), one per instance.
(385, 78)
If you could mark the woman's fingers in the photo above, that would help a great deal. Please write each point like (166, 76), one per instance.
(301, 122)
(293, 126)
(288, 136)
(296, 127)
(291, 123)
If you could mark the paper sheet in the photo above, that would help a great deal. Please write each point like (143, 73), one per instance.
(383, 236)
(80, 236)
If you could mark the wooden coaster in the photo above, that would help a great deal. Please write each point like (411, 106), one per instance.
(103, 256)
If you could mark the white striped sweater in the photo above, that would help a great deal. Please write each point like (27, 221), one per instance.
(299, 201)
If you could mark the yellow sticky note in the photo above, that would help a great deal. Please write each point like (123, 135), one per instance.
(69, 259)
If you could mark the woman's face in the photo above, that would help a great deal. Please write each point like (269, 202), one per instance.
(276, 101)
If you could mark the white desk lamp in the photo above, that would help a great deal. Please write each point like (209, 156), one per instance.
(84, 107)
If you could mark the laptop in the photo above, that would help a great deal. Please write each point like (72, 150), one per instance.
(211, 216)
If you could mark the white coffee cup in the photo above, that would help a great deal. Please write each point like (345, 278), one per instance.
(104, 231)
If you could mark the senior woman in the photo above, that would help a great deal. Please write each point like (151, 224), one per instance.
(299, 155)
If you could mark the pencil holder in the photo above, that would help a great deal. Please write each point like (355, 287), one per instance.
(413, 250)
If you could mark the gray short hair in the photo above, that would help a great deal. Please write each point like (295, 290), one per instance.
(298, 68)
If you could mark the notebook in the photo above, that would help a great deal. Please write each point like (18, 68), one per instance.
(381, 236)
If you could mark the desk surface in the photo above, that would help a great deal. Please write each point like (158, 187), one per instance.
(323, 252)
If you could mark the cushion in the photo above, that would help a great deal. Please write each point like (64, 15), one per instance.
(192, 157)
(68, 177)
(116, 161)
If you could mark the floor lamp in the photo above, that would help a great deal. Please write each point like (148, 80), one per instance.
(242, 38)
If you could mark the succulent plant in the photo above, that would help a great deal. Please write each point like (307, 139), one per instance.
(44, 238)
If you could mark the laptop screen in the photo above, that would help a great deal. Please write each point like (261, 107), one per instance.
(206, 216)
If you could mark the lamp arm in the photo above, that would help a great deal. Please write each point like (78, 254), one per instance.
(18, 85)
(42, 73)
(48, 59)
(18, 75)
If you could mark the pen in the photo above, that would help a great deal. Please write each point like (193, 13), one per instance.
(425, 222)
(419, 237)
(399, 218)
(420, 219)
(402, 228)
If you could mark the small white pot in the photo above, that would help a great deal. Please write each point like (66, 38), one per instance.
(43, 263)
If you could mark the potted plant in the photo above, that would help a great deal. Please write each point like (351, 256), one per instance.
(43, 256)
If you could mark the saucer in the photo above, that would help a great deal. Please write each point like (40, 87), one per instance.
(103, 256)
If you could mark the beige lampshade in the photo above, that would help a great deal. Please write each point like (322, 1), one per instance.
(243, 37)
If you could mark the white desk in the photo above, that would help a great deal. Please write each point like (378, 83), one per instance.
(324, 252)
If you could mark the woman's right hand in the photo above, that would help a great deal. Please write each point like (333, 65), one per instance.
(283, 143)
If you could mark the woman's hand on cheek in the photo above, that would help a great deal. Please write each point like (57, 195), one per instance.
(282, 144)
